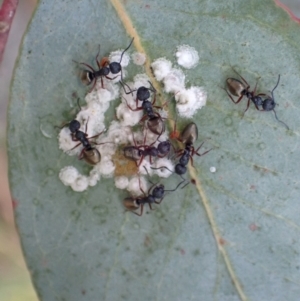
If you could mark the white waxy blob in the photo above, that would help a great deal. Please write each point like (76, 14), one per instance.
(136, 184)
(161, 171)
(128, 117)
(121, 182)
(99, 95)
(161, 68)
(108, 147)
(68, 175)
(106, 167)
(187, 56)
(145, 168)
(94, 177)
(66, 143)
(190, 100)
(141, 80)
(174, 81)
(138, 58)
(118, 133)
(115, 56)
(212, 169)
(80, 184)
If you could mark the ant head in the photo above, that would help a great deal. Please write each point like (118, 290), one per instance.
(158, 191)
(142, 93)
(268, 104)
(180, 169)
(74, 126)
(115, 67)
(164, 147)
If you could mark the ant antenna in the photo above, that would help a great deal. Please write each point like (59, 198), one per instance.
(148, 175)
(177, 186)
(126, 50)
(274, 100)
(152, 88)
(123, 85)
(280, 120)
(276, 85)
(78, 104)
(156, 168)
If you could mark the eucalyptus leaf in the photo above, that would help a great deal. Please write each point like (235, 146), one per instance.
(232, 236)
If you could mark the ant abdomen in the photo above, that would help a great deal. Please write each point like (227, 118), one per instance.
(91, 156)
(189, 134)
(235, 87)
(131, 204)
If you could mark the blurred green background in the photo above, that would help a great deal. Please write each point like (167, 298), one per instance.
(15, 283)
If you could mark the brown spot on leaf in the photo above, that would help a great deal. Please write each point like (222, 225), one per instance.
(124, 167)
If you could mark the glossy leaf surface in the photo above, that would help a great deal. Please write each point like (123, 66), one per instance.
(232, 236)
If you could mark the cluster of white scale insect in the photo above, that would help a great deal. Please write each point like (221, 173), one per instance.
(119, 133)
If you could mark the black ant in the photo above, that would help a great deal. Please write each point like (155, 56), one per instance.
(105, 67)
(158, 192)
(188, 136)
(89, 153)
(241, 89)
(137, 153)
(155, 122)
(142, 93)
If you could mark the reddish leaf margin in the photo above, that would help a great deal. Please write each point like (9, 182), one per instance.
(288, 10)
(7, 13)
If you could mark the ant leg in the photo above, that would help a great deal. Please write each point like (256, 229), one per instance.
(141, 187)
(151, 206)
(255, 86)
(74, 146)
(141, 160)
(141, 212)
(94, 84)
(86, 126)
(97, 136)
(111, 78)
(175, 134)
(130, 91)
(80, 157)
(235, 102)
(86, 65)
(158, 202)
(99, 66)
(196, 151)
(136, 109)
(248, 104)
(248, 86)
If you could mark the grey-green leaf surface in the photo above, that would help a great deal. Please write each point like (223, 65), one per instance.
(232, 236)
